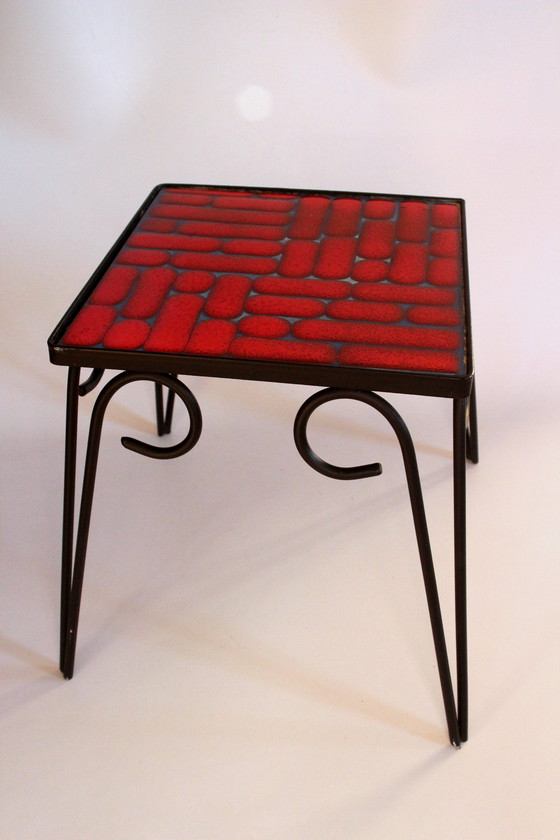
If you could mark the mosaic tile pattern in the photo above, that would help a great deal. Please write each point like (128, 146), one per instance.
(313, 279)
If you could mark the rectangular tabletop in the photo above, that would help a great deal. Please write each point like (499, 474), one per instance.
(349, 290)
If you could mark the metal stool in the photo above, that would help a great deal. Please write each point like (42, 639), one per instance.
(356, 293)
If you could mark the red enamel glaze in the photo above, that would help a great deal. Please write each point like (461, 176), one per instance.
(310, 279)
(354, 310)
(211, 338)
(362, 333)
(445, 243)
(446, 215)
(288, 306)
(264, 326)
(299, 258)
(310, 217)
(409, 264)
(414, 221)
(404, 294)
(444, 272)
(379, 209)
(126, 335)
(174, 242)
(256, 247)
(377, 240)
(136, 256)
(283, 350)
(328, 289)
(225, 230)
(174, 324)
(281, 205)
(115, 285)
(150, 292)
(194, 281)
(158, 225)
(444, 316)
(228, 296)
(89, 326)
(370, 271)
(344, 218)
(209, 214)
(183, 197)
(217, 262)
(336, 257)
(421, 360)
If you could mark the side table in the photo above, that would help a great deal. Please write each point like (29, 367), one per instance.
(354, 292)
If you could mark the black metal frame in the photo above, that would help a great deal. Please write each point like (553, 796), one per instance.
(341, 383)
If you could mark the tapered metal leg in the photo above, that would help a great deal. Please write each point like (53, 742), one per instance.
(423, 540)
(472, 427)
(420, 524)
(68, 503)
(73, 562)
(81, 543)
(459, 507)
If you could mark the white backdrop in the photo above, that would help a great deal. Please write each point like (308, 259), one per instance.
(101, 100)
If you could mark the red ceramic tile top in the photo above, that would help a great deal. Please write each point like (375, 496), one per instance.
(331, 280)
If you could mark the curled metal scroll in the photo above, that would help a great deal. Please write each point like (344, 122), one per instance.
(302, 443)
(161, 379)
(91, 382)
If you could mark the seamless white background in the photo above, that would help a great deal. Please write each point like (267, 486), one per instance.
(254, 658)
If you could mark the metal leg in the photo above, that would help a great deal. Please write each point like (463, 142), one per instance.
(164, 419)
(73, 568)
(68, 504)
(464, 444)
(472, 427)
(459, 507)
(420, 524)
